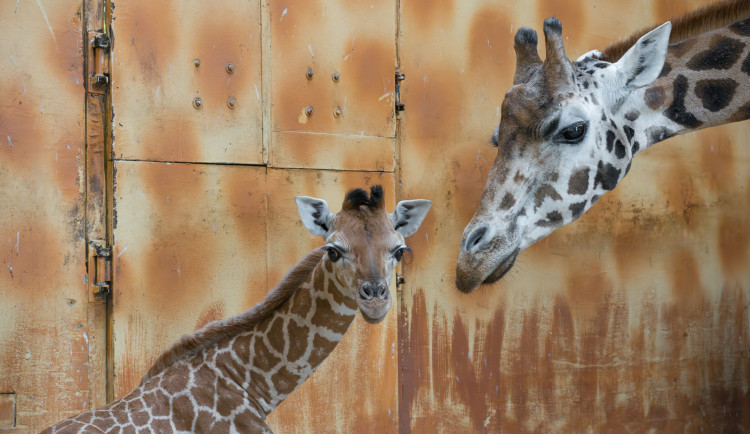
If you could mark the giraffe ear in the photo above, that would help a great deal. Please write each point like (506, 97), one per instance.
(315, 214)
(643, 62)
(408, 215)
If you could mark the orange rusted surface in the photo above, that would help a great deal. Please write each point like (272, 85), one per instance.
(190, 248)
(168, 54)
(635, 318)
(45, 346)
(332, 72)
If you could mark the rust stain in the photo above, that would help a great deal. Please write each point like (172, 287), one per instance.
(734, 245)
(574, 18)
(717, 159)
(214, 312)
(490, 46)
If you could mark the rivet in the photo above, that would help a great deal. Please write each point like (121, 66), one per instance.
(309, 74)
(197, 62)
(309, 111)
(230, 67)
(231, 102)
(197, 102)
(337, 112)
(335, 76)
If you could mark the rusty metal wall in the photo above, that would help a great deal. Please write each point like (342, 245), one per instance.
(635, 318)
(51, 337)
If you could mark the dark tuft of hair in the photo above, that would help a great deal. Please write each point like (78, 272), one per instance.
(359, 197)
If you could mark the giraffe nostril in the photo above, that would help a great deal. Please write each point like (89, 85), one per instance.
(365, 291)
(476, 238)
(382, 292)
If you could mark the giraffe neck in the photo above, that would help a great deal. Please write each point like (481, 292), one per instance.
(282, 351)
(705, 82)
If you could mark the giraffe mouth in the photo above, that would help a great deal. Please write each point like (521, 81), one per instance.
(372, 320)
(502, 269)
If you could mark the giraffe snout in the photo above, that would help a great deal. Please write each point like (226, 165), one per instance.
(371, 290)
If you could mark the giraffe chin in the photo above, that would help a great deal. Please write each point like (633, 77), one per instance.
(374, 309)
(371, 320)
(502, 269)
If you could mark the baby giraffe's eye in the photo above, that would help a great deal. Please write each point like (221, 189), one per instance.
(398, 254)
(573, 133)
(333, 253)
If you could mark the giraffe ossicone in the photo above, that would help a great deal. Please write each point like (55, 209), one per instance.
(569, 130)
(228, 376)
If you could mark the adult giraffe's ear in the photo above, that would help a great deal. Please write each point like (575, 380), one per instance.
(315, 214)
(408, 215)
(643, 62)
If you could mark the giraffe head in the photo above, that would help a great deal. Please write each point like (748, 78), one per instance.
(364, 242)
(563, 142)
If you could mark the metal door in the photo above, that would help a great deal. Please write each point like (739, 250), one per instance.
(52, 331)
(212, 140)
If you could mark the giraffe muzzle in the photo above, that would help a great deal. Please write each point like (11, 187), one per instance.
(374, 300)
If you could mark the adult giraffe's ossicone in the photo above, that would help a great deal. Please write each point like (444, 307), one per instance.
(569, 130)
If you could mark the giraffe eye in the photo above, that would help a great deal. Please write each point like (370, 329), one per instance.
(398, 254)
(573, 133)
(333, 253)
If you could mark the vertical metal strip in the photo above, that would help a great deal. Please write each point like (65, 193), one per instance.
(96, 213)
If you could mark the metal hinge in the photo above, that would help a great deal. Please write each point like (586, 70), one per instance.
(99, 45)
(100, 270)
(400, 280)
(399, 78)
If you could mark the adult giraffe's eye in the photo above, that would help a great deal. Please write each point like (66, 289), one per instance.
(573, 133)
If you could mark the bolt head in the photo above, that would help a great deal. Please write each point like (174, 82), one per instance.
(337, 112)
(197, 62)
(335, 76)
(197, 102)
(309, 110)
(231, 102)
(230, 67)
(309, 74)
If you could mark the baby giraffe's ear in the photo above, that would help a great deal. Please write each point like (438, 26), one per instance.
(643, 62)
(315, 215)
(408, 215)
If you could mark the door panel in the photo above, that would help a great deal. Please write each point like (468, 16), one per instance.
(190, 248)
(312, 41)
(355, 389)
(332, 151)
(628, 319)
(167, 55)
(48, 339)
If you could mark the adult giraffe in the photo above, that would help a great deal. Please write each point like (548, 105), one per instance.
(228, 376)
(569, 130)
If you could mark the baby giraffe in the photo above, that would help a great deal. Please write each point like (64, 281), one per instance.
(228, 376)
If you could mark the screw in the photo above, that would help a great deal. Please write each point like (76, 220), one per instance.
(231, 102)
(337, 112)
(197, 102)
(309, 111)
(197, 62)
(335, 76)
(230, 67)
(309, 74)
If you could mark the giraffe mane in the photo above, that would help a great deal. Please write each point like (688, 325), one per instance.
(709, 17)
(215, 331)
